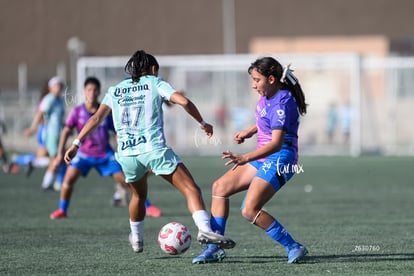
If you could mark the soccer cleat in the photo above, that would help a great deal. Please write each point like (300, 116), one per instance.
(296, 253)
(120, 197)
(47, 189)
(211, 254)
(214, 238)
(153, 211)
(118, 203)
(58, 214)
(6, 168)
(137, 246)
(12, 168)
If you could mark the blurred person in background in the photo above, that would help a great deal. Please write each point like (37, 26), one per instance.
(8, 167)
(265, 170)
(332, 121)
(346, 121)
(95, 152)
(50, 113)
(41, 158)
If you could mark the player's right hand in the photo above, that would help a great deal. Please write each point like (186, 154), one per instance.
(28, 132)
(208, 129)
(70, 153)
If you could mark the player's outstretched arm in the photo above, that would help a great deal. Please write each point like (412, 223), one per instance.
(191, 109)
(35, 123)
(64, 135)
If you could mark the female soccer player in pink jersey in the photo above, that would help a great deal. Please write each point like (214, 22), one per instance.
(265, 170)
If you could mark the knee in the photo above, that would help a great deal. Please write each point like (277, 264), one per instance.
(219, 189)
(67, 184)
(249, 214)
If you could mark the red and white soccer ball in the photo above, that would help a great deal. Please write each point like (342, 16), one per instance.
(174, 238)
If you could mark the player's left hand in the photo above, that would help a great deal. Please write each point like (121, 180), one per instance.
(236, 159)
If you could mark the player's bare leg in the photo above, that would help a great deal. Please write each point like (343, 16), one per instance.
(71, 176)
(139, 190)
(231, 182)
(183, 181)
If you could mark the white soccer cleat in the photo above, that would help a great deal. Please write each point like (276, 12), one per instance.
(296, 253)
(137, 246)
(211, 254)
(214, 238)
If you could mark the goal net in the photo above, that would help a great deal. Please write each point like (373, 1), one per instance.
(356, 104)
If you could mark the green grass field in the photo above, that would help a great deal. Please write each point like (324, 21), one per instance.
(355, 215)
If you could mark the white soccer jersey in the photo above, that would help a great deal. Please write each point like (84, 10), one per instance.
(137, 113)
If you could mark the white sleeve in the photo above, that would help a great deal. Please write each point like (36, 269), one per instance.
(107, 99)
(165, 89)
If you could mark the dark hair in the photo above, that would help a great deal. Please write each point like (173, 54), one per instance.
(140, 65)
(94, 81)
(268, 66)
(44, 91)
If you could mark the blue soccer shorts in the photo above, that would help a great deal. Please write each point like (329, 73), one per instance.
(105, 166)
(277, 168)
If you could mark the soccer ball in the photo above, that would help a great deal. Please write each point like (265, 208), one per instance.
(174, 238)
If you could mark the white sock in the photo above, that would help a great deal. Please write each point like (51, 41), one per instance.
(48, 179)
(41, 162)
(117, 195)
(137, 230)
(202, 221)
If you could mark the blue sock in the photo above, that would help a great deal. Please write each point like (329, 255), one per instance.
(63, 205)
(218, 224)
(61, 173)
(277, 232)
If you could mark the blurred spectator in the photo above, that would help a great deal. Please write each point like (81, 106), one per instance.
(3, 158)
(51, 111)
(221, 115)
(346, 121)
(41, 158)
(332, 121)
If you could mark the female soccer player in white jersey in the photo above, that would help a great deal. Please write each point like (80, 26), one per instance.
(136, 105)
(265, 170)
(95, 152)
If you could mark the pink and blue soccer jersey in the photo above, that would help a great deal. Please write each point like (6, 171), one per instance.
(95, 151)
(278, 112)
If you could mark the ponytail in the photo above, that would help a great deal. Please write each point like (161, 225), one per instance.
(140, 65)
(297, 92)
